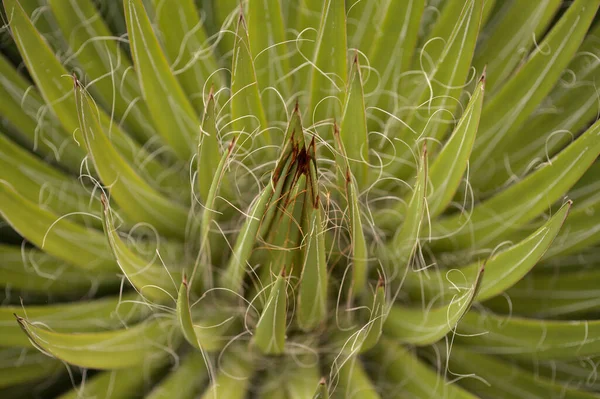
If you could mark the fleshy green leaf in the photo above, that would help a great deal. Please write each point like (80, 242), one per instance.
(405, 241)
(151, 279)
(104, 62)
(353, 129)
(488, 333)
(509, 35)
(269, 336)
(444, 66)
(419, 326)
(208, 152)
(451, 163)
(354, 382)
(402, 368)
(188, 49)
(29, 270)
(80, 246)
(501, 271)
(496, 218)
(312, 296)
(185, 381)
(236, 268)
(103, 350)
(120, 383)
(329, 74)
(509, 109)
(499, 379)
(398, 33)
(22, 107)
(233, 379)
(247, 113)
(70, 317)
(24, 365)
(565, 293)
(138, 200)
(173, 115)
(270, 53)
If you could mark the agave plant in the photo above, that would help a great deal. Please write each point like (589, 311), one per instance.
(299, 199)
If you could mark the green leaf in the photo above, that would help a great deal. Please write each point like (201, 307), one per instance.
(501, 271)
(225, 13)
(185, 381)
(300, 377)
(354, 382)
(488, 333)
(354, 341)
(93, 315)
(518, 98)
(208, 165)
(29, 270)
(312, 296)
(151, 278)
(353, 129)
(392, 49)
(19, 366)
(188, 49)
(402, 368)
(269, 336)
(507, 38)
(41, 62)
(184, 316)
(247, 114)
(208, 247)
(233, 275)
(451, 163)
(567, 111)
(80, 246)
(502, 380)
(322, 391)
(41, 183)
(444, 66)
(270, 52)
(120, 383)
(35, 128)
(329, 73)
(137, 199)
(103, 350)
(233, 378)
(206, 330)
(173, 115)
(104, 63)
(406, 239)
(357, 236)
(573, 294)
(419, 326)
(494, 219)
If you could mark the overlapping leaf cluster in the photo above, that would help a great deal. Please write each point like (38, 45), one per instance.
(299, 199)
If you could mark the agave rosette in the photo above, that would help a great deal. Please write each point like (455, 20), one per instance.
(281, 199)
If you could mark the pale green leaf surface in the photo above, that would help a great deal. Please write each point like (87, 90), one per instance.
(173, 115)
(523, 92)
(95, 315)
(501, 271)
(400, 367)
(491, 220)
(503, 380)
(151, 278)
(420, 326)
(523, 338)
(104, 350)
(137, 199)
(80, 246)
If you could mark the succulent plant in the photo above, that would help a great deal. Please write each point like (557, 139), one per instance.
(299, 199)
